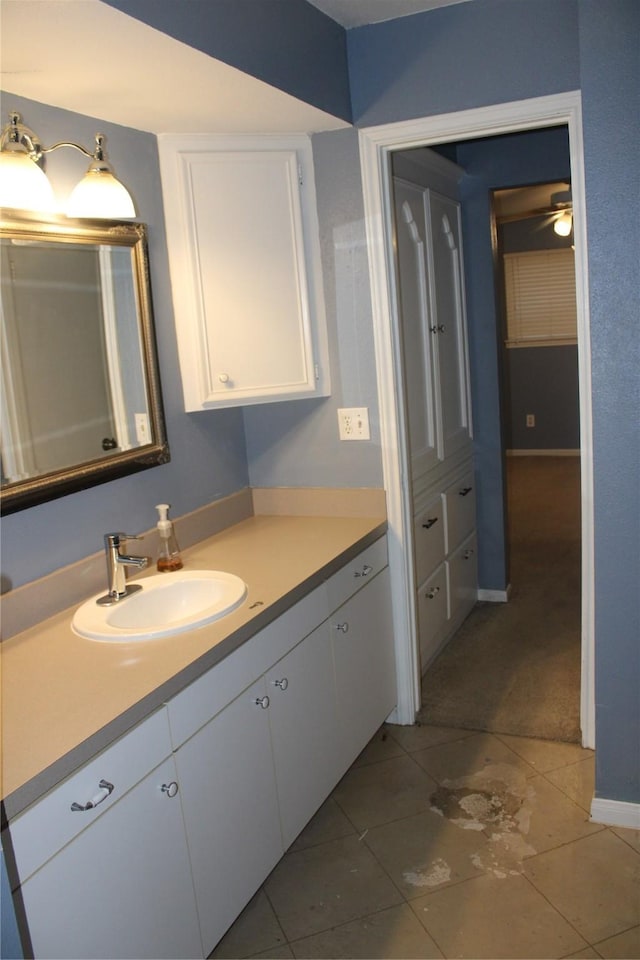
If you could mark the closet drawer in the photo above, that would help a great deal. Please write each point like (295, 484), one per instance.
(463, 579)
(428, 538)
(357, 573)
(49, 824)
(460, 499)
(432, 613)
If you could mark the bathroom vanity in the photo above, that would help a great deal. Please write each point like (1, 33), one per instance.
(145, 835)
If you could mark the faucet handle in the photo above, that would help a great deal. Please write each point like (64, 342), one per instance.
(115, 539)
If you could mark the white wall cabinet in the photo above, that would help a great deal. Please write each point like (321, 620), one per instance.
(245, 268)
(122, 885)
(211, 790)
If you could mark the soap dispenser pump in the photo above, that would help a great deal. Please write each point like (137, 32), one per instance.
(169, 558)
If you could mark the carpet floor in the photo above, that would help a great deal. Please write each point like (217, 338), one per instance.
(514, 668)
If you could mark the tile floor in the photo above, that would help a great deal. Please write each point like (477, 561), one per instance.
(449, 843)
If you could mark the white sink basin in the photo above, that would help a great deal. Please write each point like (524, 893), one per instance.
(165, 604)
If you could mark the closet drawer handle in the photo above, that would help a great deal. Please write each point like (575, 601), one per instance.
(465, 491)
(430, 522)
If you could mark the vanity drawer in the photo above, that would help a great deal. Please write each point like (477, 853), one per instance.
(356, 573)
(432, 613)
(204, 698)
(428, 538)
(460, 499)
(44, 828)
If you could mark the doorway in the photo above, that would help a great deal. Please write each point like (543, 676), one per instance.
(376, 145)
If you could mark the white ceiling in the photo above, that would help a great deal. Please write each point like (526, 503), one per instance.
(357, 13)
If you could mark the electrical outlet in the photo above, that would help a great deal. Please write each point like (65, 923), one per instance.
(353, 423)
(142, 428)
(531, 419)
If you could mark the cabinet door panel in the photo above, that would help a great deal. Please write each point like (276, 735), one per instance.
(364, 664)
(448, 305)
(230, 808)
(123, 887)
(304, 730)
(415, 324)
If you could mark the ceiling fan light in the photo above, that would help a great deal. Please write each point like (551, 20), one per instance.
(563, 225)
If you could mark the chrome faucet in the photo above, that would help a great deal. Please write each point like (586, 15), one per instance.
(116, 563)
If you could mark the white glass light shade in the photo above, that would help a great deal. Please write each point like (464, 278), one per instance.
(563, 224)
(23, 185)
(100, 195)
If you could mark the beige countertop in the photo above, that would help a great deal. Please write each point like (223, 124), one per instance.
(64, 698)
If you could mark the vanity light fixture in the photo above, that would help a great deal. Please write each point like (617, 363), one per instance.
(25, 186)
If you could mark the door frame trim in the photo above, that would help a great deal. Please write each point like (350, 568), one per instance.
(376, 145)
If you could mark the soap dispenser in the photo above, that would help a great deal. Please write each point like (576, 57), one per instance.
(169, 558)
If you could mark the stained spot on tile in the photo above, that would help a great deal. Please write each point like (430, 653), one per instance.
(438, 872)
(497, 801)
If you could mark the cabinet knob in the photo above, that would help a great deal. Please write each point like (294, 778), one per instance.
(465, 491)
(223, 377)
(468, 553)
(430, 522)
(170, 789)
(283, 684)
(366, 570)
(262, 702)
(104, 790)
(342, 627)
(433, 593)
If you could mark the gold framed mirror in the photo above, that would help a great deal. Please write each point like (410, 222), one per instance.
(80, 392)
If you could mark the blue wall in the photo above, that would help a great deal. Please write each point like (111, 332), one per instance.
(610, 80)
(208, 456)
(495, 51)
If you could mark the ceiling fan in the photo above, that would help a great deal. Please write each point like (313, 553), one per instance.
(558, 212)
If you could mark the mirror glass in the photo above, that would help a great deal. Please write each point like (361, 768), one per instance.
(79, 384)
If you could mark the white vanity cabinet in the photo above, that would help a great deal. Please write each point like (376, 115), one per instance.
(230, 808)
(113, 880)
(245, 268)
(305, 731)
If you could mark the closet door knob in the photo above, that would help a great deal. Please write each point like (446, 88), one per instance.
(262, 702)
(430, 522)
(282, 684)
(465, 491)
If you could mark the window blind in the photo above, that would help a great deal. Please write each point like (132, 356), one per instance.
(540, 288)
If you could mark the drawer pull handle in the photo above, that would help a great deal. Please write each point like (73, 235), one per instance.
(262, 702)
(105, 788)
(430, 522)
(170, 789)
(366, 570)
(465, 491)
(283, 684)
(433, 593)
(342, 627)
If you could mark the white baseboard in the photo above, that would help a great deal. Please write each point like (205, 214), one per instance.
(494, 596)
(616, 813)
(544, 453)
